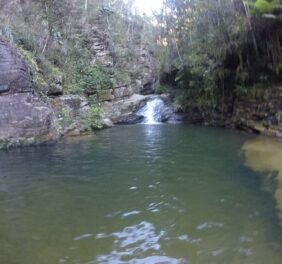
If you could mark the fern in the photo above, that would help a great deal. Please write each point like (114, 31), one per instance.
(262, 6)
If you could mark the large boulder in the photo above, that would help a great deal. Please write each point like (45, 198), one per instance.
(122, 92)
(129, 119)
(24, 118)
(14, 75)
(120, 112)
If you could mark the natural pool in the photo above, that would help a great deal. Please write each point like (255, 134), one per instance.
(138, 194)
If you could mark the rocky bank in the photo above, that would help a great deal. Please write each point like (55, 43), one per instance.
(260, 112)
(33, 115)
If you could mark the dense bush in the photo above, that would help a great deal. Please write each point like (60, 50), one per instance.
(218, 48)
(93, 79)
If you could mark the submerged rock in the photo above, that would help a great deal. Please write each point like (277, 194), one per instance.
(264, 155)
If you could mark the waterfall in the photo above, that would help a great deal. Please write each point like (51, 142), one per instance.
(154, 112)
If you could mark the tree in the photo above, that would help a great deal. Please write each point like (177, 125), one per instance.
(219, 46)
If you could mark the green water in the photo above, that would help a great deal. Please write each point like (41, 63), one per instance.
(137, 194)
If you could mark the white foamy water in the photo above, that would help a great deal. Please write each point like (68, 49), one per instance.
(153, 111)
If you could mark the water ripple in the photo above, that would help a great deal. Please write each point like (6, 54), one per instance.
(135, 241)
(83, 237)
(124, 215)
(209, 225)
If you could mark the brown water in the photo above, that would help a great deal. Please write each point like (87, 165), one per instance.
(139, 194)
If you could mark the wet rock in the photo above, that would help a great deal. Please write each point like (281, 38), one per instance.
(158, 108)
(117, 110)
(177, 118)
(73, 133)
(148, 88)
(167, 115)
(107, 123)
(129, 119)
(249, 126)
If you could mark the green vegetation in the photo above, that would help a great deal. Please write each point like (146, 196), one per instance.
(210, 52)
(64, 34)
(218, 50)
(81, 47)
(94, 118)
(263, 6)
(94, 79)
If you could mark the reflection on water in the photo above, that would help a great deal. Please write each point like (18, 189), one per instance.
(134, 241)
(140, 194)
(265, 155)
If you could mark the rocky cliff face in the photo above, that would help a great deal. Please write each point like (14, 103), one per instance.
(125, 96)
(24, 118)
(14, 75)
(140, 65)
(259, 113)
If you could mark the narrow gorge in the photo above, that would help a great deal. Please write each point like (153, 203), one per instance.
(138, 136)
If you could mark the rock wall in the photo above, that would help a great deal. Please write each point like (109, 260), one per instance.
(14, 75)
(125, 97)
(121, 111)
(24, 117)
(140, 66)
(261, 114)
(73, 114)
